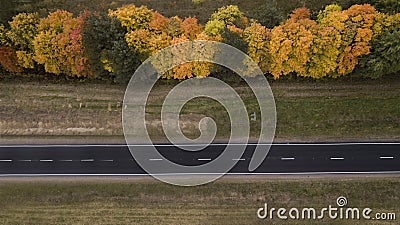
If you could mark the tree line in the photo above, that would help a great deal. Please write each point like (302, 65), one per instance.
(358, 41)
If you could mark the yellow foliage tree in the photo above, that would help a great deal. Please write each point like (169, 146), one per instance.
(23, 31)
(257, 37)
(132, 17)
(353, 28)
(58, 45)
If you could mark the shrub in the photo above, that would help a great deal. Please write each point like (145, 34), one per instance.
(384, 6)
(233, 36)
(325, 49)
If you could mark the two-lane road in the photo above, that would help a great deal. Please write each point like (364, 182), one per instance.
(332, 158)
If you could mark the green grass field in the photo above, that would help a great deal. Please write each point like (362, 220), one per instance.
(337, 110)
(227, 201)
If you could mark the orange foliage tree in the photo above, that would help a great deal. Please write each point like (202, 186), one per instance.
(291, 44)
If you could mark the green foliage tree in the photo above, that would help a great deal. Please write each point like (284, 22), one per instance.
(384, 57)
(106, 48)
(388, 6)
(268, 14)
(385, 52)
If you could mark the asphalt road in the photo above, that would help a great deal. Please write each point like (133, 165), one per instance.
(333, 158)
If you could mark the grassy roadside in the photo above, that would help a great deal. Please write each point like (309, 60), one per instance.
(306, 111)
(227, 201)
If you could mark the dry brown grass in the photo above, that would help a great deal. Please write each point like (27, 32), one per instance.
(228, 201)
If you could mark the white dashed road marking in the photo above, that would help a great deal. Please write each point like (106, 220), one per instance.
(204, 159)
(87, 160)
(386, 157)
(287, 159)
(337, 158)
